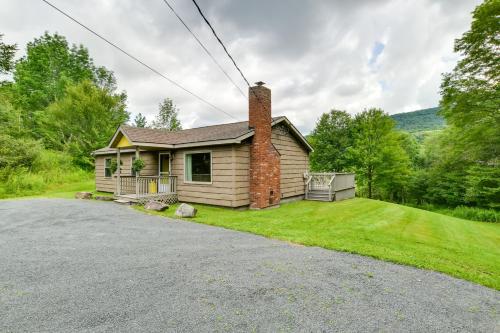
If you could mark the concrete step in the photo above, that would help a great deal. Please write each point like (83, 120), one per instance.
(318, 194)
(123, 202)
(318, 199)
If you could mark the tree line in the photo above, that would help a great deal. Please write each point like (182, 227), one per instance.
(458, 165)
(57, 105)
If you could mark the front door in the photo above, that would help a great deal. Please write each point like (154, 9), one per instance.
(163, 172)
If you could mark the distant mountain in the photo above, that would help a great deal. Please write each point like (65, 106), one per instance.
(420, 120)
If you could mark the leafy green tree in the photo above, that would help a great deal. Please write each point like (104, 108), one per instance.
(49, 66)
(10, 117)
(380, 162)
(471, 92)
(167, 116)
(140, 120)
(483, 186)
(7, 53)
(83, 120)
(331, 137)
(444, 170)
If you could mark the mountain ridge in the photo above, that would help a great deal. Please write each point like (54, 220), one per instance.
(419, 120)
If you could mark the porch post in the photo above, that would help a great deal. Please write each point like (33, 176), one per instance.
(137, 173)
(118, 171)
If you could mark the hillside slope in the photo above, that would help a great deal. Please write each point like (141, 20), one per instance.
(420, 120)
(383, 230)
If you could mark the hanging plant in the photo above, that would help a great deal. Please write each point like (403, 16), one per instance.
(138, 165)
(114, 166)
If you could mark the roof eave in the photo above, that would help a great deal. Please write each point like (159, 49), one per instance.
(295, 131)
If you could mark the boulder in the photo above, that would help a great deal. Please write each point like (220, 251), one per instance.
(83, 195)
(155, 205)
(104, 198)
(185, 210)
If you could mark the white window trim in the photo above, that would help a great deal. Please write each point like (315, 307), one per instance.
(110, 159)
(211, 167)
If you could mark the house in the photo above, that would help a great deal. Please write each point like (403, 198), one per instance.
(256, 163)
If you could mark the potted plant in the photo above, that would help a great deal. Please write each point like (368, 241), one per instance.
(114, 166)
(138, 165)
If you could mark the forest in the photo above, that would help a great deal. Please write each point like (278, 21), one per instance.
(419, 121)
(454, 170)
(57, 106)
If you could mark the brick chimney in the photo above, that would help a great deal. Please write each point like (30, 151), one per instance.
(264, 158)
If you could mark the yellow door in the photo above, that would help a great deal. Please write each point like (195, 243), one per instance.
(164, 171)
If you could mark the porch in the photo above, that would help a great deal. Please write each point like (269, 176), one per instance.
(329, 186)
(140, 189)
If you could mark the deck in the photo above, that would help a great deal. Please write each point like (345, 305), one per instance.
(141, 189)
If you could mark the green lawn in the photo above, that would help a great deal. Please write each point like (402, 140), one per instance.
(406, 235)
(66, 191)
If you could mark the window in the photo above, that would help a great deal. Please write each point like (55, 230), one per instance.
(132, 172)
(198, 167)
(107, 167)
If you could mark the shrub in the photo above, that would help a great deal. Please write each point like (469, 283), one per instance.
(49, 169)
(22, 182)
(18, 152)
(476, 214)
(465, 212)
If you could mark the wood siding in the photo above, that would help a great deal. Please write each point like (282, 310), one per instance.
(229, 186)
(108, 184)
(230, 171)
(294, 162)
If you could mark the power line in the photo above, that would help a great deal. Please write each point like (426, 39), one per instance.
(228, 54)
(220, 42)
(204, 48)
(138, 60)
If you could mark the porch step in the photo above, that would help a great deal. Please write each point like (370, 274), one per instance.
(318, 195)
(123, 202)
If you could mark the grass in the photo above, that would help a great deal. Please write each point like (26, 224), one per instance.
(64, 191)
(461, 248)
(467, 213)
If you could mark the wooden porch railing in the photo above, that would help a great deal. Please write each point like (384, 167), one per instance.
(327, 184)
(145, 185)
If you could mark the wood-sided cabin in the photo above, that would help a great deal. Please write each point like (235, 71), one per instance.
(255, 163)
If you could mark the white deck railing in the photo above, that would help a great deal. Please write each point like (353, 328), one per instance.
(147, 185)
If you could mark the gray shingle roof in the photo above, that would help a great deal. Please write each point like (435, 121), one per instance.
(193, 135)
(188, 136)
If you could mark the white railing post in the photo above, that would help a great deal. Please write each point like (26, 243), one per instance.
(330, 187)
(137, 172)
(118, 180)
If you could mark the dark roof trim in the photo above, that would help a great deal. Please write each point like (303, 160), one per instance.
(295, 131)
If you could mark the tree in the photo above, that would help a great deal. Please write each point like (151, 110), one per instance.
(83, 120)
(140, 120)
(331, 137)
(167, 116)
(50, 65)
(471, 92)
(376, 154)
(7, 53)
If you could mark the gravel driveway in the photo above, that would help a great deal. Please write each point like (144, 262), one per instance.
(88, 266)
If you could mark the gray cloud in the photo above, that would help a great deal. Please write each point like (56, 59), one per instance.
(314, 55)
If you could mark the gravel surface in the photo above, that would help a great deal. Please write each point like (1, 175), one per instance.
(88, 266)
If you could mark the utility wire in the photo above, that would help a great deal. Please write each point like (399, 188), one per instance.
(204, 48)
(227, 52)
(139, 61)
(220, 42)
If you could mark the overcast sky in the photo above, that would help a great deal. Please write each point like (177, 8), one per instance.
(314, 55)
